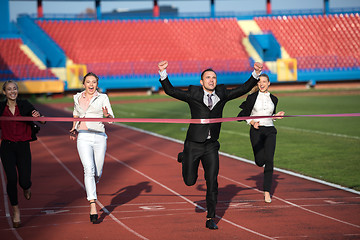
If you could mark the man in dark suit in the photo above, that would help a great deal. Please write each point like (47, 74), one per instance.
(201, 143)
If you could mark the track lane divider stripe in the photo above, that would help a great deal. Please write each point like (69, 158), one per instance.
(97, 201)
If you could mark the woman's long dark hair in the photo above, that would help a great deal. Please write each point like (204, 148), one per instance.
(90, 74)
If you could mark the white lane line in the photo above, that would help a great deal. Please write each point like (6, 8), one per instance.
(327, 198)
(235, 133)
(247, 160)
(147, 207)
(296, 174)
(105, 220)
(127, 204)
(82, 185)
(299, 130)
(289, 237)
(6, 205)
(320, 132)
(352, 235)
(169, 189)
(293, 204)
(151, 110)
(283, 200)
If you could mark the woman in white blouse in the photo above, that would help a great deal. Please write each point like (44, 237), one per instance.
(262, 131)
(91, 139)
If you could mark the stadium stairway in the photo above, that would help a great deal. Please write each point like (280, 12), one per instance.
(43, 86)
(250, 26)
(247, 27)
(303, 37)
(32, 56)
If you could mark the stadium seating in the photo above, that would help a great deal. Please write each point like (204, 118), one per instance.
(125, 47)
(325, 42)
(15, 65)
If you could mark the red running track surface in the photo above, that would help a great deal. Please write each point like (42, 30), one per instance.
(145, 198)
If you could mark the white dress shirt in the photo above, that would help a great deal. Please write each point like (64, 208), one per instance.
(263, 107)
(214, 97)
(94, 110)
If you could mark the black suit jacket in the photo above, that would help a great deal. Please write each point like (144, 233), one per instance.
(194, 97)
(249, 103)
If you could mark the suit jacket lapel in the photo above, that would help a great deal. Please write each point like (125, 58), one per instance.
(252, 99)
(220, 91)
(273, 99)
(198, 93)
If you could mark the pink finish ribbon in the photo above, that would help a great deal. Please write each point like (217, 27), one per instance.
(164, 120)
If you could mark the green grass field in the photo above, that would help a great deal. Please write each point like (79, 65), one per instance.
(321, 147)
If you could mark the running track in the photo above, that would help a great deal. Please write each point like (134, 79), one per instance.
(143, 197)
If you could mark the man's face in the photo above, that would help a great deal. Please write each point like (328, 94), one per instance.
(263, 84)
(208, 81)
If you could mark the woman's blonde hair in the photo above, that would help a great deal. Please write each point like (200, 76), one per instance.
(254, 89)
(7, 82)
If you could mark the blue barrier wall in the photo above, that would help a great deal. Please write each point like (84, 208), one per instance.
(177, 80)
(329, 75)
(233, 78)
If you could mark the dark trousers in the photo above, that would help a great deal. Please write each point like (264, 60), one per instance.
(16, 159)
(263, 141)
(208, 153)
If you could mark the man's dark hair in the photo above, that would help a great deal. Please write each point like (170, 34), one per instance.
(265, 75)
(207, 70)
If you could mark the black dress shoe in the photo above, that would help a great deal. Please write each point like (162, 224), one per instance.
(180, 157)
(93, 218)
(210, 224)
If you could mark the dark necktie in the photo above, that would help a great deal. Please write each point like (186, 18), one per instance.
(210, 102)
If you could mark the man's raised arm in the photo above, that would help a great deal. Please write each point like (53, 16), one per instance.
(162, 69)
(167, 86)
(248, 85)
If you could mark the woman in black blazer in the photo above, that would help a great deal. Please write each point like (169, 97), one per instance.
(262, 131)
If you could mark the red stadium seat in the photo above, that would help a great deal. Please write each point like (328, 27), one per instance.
(147, 42)
(323, 36)
(17, 63)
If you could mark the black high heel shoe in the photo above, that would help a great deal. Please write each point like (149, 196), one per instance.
(16, 224)
(27, 194)
(93, 217)
(16, 212)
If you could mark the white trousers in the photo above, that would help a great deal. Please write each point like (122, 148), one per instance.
(91, 148)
